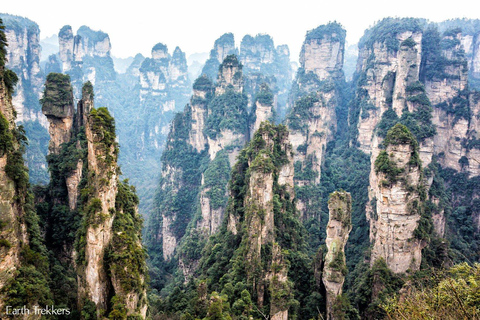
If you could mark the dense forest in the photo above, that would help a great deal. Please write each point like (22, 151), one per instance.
(249, 192)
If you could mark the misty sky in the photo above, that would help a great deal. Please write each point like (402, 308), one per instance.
(136, 26)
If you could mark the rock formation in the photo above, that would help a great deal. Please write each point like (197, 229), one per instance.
(223, 46)
(107, 254)
(261, 159)
(399, 193)
(312, 118)
(101, 239)
(19, 231)
(323, 51)
(23, 57)
(338, 229)
(208, 127)
(57, 106)
(265, 64)
(389, 91)
(85, 56)
(12, 228)
(256, 52)
(163, 74)
(262, 109)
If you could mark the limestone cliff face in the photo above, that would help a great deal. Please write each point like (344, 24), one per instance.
(263, 63)
(23, 57)
(473, 142)
(259, 217)
(12, 229)
(75, 176)
(19, 231)
(314, 97)
(164, 89)
(262, 109)
(57, 106)
(163, 72)
(85, 56)
(229, 74)
(398, 189)
(102, 165)
(202, 92)
(447, 92)
(110, 257)
(338, 228)
(389, 91)
(223, 46)
(387, 71)
(91, 43)
(256, 51)
(66, 45)
(323, 51)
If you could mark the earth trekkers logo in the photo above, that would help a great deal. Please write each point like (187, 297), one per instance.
(37, 310)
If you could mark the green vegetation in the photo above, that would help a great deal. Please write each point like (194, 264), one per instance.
(409, 43)
(3, 44)
(386, 32)
(227, 112)
(125, 257)
(160, 46)
(374, 287)
(203, 83)
(28, 285)
(332, 29)
(398, 134)
(435, 63)
(419, 121)
(103, 125)
(336, 210)
(216, 178)
(301, 111)
(210, 69)
(6, 136)
(451, 294)
(64, 31)
(92, 36)
(58, 96)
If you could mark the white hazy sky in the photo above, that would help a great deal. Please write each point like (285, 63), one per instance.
(136, 26)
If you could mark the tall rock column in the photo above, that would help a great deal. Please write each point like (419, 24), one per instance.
(75, 176)
(110, 260)
(338, 228)
(398, 195)
(314, 97)
(57, 105)
(100, 210)
(268, 153)
(66, 44)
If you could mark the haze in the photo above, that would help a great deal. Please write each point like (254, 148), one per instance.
(194, 25)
